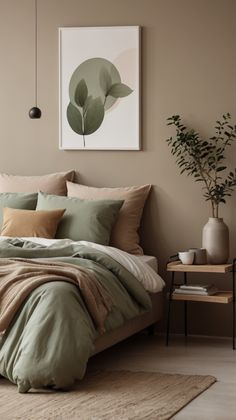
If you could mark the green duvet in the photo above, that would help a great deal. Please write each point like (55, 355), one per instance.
(52, 336)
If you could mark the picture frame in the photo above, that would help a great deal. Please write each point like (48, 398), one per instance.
(99, 88)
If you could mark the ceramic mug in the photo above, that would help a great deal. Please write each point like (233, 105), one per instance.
(186, 257)
(200, 256)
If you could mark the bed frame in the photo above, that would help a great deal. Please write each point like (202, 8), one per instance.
(132, 326)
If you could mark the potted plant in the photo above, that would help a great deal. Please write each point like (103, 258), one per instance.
(205, 160)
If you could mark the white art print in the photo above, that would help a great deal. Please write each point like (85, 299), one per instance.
(99, 88)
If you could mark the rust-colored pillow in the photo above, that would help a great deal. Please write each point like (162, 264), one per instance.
(124, 233)
(51, 183)
(32, 223)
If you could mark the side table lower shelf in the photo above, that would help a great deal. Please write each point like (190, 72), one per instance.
(219, 297)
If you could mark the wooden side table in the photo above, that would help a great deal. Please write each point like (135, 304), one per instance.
(224, 297)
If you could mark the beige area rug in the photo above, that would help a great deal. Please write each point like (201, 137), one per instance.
(117, 395)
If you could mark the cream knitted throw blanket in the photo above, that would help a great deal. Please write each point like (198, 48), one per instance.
(19, 276)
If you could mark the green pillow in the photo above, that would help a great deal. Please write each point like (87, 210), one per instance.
(17, 201)
(84, 220)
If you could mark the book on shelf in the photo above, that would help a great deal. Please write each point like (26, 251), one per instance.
(204, 287)
(211, 291)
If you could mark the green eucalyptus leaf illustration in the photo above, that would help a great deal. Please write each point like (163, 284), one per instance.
(119, 90)
(74, 118)
(105, 80)
(81, 93)
(95, 86)
(92, 71)
(94, 116)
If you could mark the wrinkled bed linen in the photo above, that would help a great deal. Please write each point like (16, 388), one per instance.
(150, 280)
(52, 335)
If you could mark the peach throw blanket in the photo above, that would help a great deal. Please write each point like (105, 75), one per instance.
(19, 276)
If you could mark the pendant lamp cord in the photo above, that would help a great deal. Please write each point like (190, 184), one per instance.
(35, 112)
(36, 53)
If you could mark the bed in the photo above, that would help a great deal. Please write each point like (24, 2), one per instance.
(51, 337)
(63, 300)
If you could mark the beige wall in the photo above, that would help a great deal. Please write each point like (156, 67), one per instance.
(188, 67)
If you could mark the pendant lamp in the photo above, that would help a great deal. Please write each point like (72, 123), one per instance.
(35, 112)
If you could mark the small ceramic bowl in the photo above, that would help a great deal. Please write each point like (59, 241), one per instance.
(186, 257)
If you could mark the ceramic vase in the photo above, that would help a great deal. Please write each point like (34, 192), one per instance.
(215, 239)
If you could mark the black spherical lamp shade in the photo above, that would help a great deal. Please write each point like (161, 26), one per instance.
(35, 112)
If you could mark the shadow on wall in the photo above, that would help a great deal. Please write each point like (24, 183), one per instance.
(148, 222)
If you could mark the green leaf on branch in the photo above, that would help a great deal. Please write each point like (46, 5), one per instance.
(221, 168)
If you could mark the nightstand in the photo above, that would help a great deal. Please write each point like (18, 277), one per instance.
(221, 297)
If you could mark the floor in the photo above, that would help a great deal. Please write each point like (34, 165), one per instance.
(196, 356)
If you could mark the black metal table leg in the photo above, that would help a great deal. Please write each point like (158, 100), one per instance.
(151, 329)
(185, 311)
(233, 303)
(169, 304)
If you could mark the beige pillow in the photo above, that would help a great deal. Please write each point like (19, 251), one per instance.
(33, 223)
(50, 184)
(124, 234)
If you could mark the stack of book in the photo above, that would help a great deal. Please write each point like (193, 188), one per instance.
(196, 289)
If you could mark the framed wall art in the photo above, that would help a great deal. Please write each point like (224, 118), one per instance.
(99, 83)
